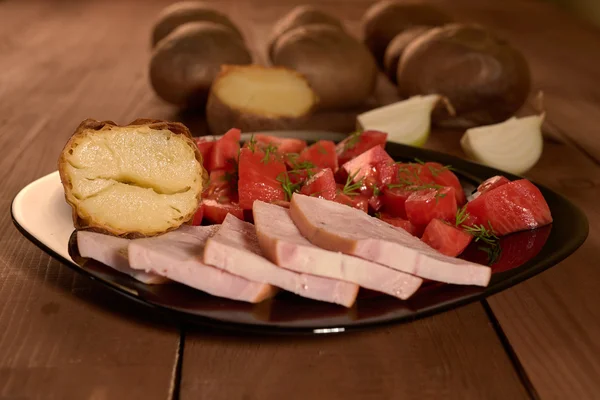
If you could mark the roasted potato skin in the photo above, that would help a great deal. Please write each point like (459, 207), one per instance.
(220, 117)
(185, 63)
(89, 127)
(338, 67)
(301, 16)
(394, 50)
(484, 78)
(183, 12)
(386, 19)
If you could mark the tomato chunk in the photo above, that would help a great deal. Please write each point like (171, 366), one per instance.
(393, 201)
(225, 151)
(424, 205)
(357, 201)
(205, 145)
(363, 166)
(322, 185)
(489, 184)
(283, 145)
(221, 186)
(198, 216)
(399, 223)
(515, 206)
(446, 238)
(321, 154)
(444, 177)
(357, 143)
(413, 174)
(259, 178)
(215, 212)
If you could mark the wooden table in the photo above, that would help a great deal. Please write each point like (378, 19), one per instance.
(63, 336)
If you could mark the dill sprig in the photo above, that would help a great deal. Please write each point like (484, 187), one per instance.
(288, 187)
(321, 149)
(483, 234)
(376, 190)
(351, 188)
(352, 140)
(252, 143)
(493, 252)
(269, 150)
(292, 159)
(461, 216)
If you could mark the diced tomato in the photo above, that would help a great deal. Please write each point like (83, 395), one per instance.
(399, 223)
(198, 216)
(322, 185)
(215, 212)
(413, 174)
(393, 201)
(424, 205)
(363, 166)
(221, 186)
(321, 154)
(444, 177)
(491, 183)
(225, 151)
(205, 145)
(284, 145)
(356, 144)
(446, 238)
(515, 206)
(302, 175)
(387, 172)
(358, 201)
(258, 178)
(375, 203)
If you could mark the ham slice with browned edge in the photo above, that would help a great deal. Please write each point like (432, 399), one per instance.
(112, 252)
(337, 227)
(234, 248)
(283, 244)
(178, 256)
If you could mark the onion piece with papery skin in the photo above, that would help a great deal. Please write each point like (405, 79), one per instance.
(407, 121)
(514, 145)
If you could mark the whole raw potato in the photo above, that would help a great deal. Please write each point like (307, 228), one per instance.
(301, 16)
(183, 12)
(185, 63)
(485, 79)
(386, 19)
(338, 67)
(394, 51)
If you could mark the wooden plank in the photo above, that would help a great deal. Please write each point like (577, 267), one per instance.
(455, 355)
(61, 335)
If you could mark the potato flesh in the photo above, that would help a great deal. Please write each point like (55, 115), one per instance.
(134, 179)
(272, 93)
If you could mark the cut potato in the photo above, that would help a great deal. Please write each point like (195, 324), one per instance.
(136, 180)
(177, 14)
(513, 146)
(406, 122)
(386, 19)
(185, 63)
(301, 16)
(254, 98)
(338, 67)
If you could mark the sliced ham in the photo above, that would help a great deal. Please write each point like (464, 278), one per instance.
(283, 244)
(177, 255)
(112, 252)
(235, 248)
(337, 227)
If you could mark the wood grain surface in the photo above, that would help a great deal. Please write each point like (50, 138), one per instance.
(62, 336)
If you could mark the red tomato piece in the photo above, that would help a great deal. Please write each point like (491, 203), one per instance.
(198, 216)
(358, 201)
(491, 183)
(322, 185)
(515, 206)
(375, 203)
(221, 186)
(215, 212)
(205, 145)
(284, 145)
(363, 166)
(446, 238)
(415, 174)
(399, 223)
(225, 151)
(444, 177)
(424, 205)
(259, 178)
(302, 175)
(356, 144)
(321, 154)
(393, 201)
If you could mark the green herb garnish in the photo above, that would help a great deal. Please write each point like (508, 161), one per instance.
(493, 253)
(351, 188)
(269, 150)
(321, 149)
(376, 191)
(252, 144)
(461, 216)
(288, 187)
(483, 234)
(352, 140)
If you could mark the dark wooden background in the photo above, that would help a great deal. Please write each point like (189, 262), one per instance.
(64, 337)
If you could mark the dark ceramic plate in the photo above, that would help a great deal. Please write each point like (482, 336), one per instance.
(523, 255)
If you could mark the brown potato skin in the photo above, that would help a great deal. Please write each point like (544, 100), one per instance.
(301, 16)
(220, 117)
(177, 14)
(185, 63)
(394, 51)
(484, 78)
(386, 19)
(89, 127)
(338, 67)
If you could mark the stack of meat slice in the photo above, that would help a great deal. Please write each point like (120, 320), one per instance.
(317, 249)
